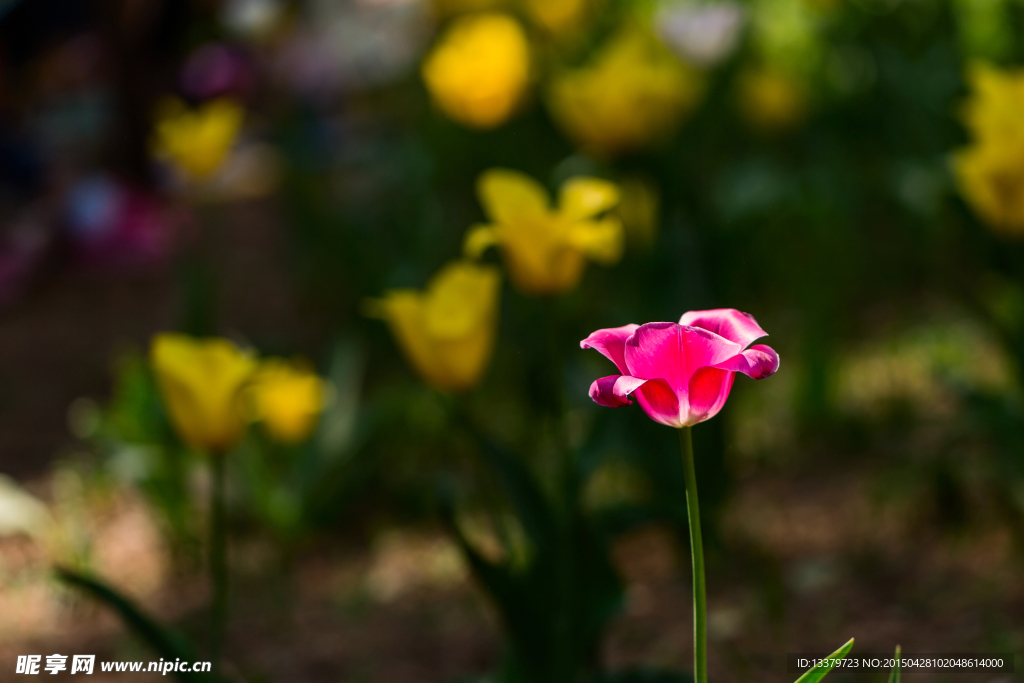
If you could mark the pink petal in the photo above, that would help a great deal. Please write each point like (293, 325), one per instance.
(655, 396)
(660, 402)
(613, 391)
(726, 322)
(759, 361)
(673, 352)
(708, 391)
(610, 343)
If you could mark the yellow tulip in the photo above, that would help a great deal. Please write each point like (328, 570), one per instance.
(558, 16)
(201, 381)
(993, 112)
(478, 72)
(991, 177)
(990, 171)
(545, 249)
(197, 140)
(639, 209)
(633, 93)
(447, 331)
(770, 100)
(288, 398)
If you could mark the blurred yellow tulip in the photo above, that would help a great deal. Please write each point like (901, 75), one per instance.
(449, 7)
(990, 171)
(993, 111)
(633, 93)
(288, 398)
(544, 249)
(478, 72)
(991, 177)
(197, 140)
(558, 16)
(770, 100)
(639, 209)
(447, 331)
(201, 381)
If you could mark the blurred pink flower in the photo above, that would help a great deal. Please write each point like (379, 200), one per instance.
(110, 223)
(216, 70)
(681, 373)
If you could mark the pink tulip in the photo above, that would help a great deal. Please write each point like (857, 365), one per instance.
(113, 224)
(681, 374)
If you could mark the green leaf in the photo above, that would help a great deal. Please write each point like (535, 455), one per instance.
(167, 643)
(518, 483)
(822, 669)
(514, 596)
(894, 677)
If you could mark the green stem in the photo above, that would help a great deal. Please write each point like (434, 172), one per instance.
(700, 602)
(198, 276)
(218, 559)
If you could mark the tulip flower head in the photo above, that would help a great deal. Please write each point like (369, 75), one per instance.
(201, 383)
(990, 172)
(639, 209)
(447, 331)
(288, 398)
(770, 100)
(478, 72)
(681, 374)
(558, 16)
(992, 113)
(197, 140)
(632, 94)
(545, 249)
(112, 223)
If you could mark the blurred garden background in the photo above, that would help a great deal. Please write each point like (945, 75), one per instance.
(318, 271)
